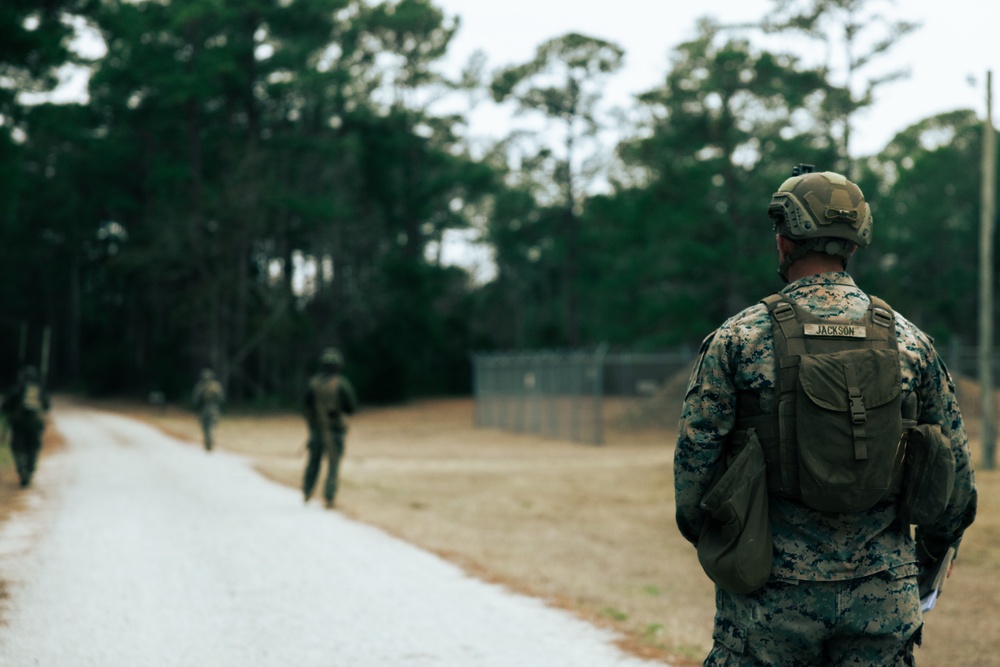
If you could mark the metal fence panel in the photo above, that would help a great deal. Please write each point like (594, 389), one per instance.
(581, 395)
(561, 394)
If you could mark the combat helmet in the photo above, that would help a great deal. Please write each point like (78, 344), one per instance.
(822, 212)
(331, 358)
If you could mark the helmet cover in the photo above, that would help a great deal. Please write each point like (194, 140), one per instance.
(822, 205)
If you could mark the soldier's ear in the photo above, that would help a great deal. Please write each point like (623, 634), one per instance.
(785, 247)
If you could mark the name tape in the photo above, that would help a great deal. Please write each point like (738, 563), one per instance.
(836, 330)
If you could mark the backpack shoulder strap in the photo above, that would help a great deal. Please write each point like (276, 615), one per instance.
(786, 326)
(789, 346)
(882, 319)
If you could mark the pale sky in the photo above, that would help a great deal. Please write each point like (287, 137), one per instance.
(957, 40)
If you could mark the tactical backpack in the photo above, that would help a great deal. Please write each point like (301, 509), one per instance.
(31, 400)
(211, 392)
(835, 440)
(326, 394)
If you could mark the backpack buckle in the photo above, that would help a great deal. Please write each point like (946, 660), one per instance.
(882, 317)
(784, 312)
(858, 414)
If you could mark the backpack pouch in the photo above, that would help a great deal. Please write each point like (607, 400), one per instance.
(928, 475)
(848, 427)
(735, 547)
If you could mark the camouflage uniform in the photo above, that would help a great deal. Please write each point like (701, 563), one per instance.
(329, 396)
(24, 406)
(208, 396)
(843, 586)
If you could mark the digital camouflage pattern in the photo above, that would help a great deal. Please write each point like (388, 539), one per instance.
(208, 396)
(877, 619)
(812, 546)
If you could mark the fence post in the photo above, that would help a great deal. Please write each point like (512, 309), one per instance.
(599, 394)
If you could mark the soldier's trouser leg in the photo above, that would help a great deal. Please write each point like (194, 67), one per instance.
(24, 462)
(207, 422)
(333, 467)
(25, 445)
(872, 621)
(315, 448)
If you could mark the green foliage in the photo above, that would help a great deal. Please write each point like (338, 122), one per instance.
(926, 215)
(852, 34)
(252, 181)
(564, 83)
(692, 243)
(614, 614)
(33, 44)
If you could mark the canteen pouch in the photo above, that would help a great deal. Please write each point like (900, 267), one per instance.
(928, 475)
(848, 428)
(735, 545)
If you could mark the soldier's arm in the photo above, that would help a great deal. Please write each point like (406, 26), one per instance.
(309, 405)
(940, 406)
(707, 418)
(349, 399)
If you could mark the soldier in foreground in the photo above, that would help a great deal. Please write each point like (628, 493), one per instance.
(208, 397)
(818, 427)
(24, 406)
(329, 396)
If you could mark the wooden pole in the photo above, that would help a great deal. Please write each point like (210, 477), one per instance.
(986, 225)
(43, 366)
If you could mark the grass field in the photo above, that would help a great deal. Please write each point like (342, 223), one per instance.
(588, 528)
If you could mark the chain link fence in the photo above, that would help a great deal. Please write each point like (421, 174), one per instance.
(566, 395)
(963, 364)
(579, 395)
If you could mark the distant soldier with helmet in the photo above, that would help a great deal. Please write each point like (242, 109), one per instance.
(822, 466)
(329, 397)
(208, 397)
(24, 406)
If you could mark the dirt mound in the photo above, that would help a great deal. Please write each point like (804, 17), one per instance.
(660, 410)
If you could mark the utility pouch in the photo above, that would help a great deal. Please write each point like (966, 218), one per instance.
(848, 428)
(735, 547)
(928, 475)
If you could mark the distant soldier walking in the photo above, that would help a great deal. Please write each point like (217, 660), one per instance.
(24, 406)
(208, 398)
(329, 396)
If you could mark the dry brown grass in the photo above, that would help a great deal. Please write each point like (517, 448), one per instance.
(587, 528)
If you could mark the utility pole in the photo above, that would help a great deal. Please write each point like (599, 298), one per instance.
(987, 219)
(43, 365)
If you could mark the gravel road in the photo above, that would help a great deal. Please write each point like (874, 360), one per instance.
(137, 549)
